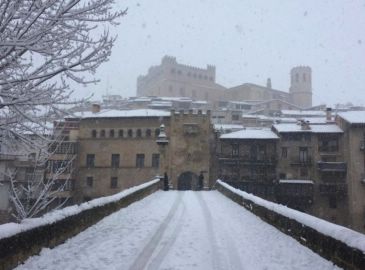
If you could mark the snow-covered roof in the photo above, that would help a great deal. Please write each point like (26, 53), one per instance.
(200, 102)
(251, 134)
(314, 128)
(353, 117)
(295, 181)
(253, 116)
(124, 113)
(303, 113)
(327, 128)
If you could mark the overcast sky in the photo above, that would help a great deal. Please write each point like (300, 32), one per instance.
(247, 41)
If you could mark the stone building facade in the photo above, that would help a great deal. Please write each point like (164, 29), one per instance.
(190, 149)
(312, 172)
(117, 150)
(172, 79)
(353, 125)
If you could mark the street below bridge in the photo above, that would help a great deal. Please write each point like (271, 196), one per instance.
(180, 230)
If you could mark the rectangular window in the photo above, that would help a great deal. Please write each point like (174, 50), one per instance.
(303, 154)
(115, 160)
(235, 150)
(90, 160)
(140, 160)
(89, 181)
(155, 160)
(235, 117)
(284, 152)
(332, 201)
(114, 182)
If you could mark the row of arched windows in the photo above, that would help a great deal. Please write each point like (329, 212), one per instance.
(121, 133)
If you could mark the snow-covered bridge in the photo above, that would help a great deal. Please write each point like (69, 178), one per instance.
(180, 230)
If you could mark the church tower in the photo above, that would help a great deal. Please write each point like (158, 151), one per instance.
(301, 86)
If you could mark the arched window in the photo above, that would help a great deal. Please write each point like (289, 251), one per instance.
(130, 133)
(297, 77)
(111, 133)
(139, 133)
(121, 133)
(102, 133)
(148, 133)
(93, 133)
(157, 132)
(304, 77)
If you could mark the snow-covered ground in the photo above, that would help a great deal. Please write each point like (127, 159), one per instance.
(180, 230)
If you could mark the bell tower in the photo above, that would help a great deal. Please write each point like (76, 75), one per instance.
(301, 86)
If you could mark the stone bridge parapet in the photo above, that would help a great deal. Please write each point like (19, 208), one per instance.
(20, 241)
(342, 246)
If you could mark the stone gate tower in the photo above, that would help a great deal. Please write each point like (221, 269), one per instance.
(301, 86)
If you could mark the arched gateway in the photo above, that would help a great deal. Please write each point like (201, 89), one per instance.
(187, 181)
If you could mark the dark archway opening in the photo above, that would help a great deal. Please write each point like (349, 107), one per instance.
(187, 181)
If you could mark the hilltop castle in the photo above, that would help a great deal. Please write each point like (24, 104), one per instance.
(171, 79)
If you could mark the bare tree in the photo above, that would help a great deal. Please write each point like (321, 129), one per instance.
(45, 45)
(38, 187)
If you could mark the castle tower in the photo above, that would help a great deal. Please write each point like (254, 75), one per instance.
(301, 86)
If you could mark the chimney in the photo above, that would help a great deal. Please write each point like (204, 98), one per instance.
(329, 114)
(268, 83)
(304, 125)
(95, 108)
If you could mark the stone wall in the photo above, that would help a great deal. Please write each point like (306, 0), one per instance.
(17, 248)
(328, 247)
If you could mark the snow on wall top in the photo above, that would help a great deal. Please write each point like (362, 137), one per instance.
(10, 229)
(295, 181)
(227, 126)
(302, 113)
(314, 128)
(251, 134)
(123, 113)
(345, 235)
(353, 117)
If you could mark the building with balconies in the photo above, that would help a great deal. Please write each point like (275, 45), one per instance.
(247, 160)
(312, 163)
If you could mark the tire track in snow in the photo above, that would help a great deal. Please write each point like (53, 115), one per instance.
(233, 256)
(211, 234)
(230, 247)
(147, 252)
(166, 245)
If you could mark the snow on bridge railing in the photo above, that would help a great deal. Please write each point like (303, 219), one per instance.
(20, 241)
(341, 245)
(343, 234)
(10, 229)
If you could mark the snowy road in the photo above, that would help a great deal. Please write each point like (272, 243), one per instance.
(180, 230)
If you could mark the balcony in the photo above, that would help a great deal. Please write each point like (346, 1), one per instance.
(328, 149)
(333, 189)
(301, 162)
(332, 166)
(247, 160)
